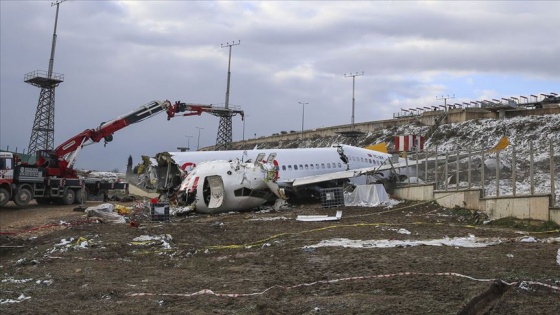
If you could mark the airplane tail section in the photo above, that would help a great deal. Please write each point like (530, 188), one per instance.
(379, 147)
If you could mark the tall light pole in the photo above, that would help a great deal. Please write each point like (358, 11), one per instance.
(224, 138)
(302, 116)
(42, 132)
(353, 76)
(198, 143)
(244, 118)
(188, 142)
(445, 98)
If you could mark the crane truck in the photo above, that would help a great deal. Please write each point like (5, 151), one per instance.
(52, 177)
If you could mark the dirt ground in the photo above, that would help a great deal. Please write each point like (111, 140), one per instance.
(54, 261)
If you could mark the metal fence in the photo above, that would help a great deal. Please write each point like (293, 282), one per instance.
(524, 169)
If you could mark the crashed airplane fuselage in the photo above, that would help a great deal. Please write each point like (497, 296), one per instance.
(221, 181)
(223, 186)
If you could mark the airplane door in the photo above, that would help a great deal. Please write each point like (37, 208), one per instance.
(259, 158)
(271, 158)
(214, 191)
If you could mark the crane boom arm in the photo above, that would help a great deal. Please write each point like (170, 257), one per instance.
(62, 159)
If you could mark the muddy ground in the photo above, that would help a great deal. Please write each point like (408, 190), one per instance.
(54, 261)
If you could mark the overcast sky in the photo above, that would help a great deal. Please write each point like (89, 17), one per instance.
(118, 55)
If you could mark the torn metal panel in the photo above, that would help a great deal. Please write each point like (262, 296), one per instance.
(317, 218)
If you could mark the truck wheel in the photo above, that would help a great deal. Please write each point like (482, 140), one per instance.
(80, 198)
(23, 197)
(68, 197)
(4, 196)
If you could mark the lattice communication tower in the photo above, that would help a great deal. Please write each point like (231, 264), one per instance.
(42, 133)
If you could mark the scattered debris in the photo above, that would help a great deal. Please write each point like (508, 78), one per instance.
(105, 213)
(149, 240)
(314, 218)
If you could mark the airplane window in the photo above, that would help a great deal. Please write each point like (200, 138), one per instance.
(300, 167)
(339, 165)
(362, 159)
(334, 165)
(353, 158)
(322, 165)
(370, 161)
(306, 166)
(289, 167)
(283, 167)
(317, 166)
(328, 165)
(295, 167)
(311, 166)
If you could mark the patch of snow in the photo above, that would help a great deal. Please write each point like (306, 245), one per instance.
(12, 280)
(471, 242)
(20, 299)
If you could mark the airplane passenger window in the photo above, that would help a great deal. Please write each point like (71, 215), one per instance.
(334, 165)
(306, 166)
(311, 166)
(295, 167)
(370, 161)
(362, 159)
(339, 165)
(328, 165)
(317, 166)
(300, 167)
(289, 167)
(283, 167)
(322, 165)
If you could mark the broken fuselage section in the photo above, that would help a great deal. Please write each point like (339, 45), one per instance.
(224, 186)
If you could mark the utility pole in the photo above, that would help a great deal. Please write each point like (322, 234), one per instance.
(42, 133)
(198, 143)
(302, 116)
(188, 142)
(353, 76)
(244, 119)
(445, 98)
(224, 138)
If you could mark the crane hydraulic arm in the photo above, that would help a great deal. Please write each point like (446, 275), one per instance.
(195, 109)
(60, 162)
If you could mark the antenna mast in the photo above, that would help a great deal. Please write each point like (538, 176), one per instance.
(42, 133)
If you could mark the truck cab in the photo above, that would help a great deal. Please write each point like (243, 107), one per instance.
(6, 176)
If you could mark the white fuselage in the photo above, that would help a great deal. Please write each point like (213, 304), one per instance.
(222, 181)
(292, 163)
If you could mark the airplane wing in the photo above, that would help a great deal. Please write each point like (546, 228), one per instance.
(340, 175)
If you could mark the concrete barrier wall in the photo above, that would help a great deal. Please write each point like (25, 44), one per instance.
(417, 192)
(535, 207)
(555, 215)
(469, 199)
